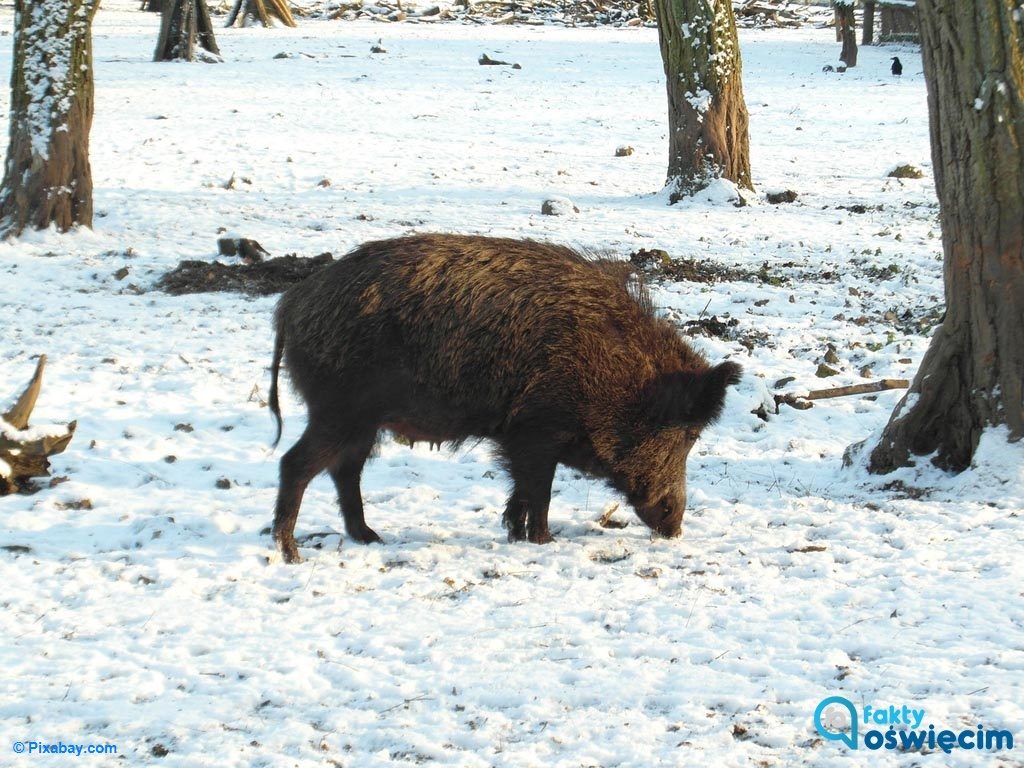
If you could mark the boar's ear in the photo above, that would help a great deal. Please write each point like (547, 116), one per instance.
(690, 398)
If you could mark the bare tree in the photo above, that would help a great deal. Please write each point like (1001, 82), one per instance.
(972, 376)
(707, 116)
(47, 179)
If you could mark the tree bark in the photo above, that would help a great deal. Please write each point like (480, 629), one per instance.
(847, 29)
(868, 34)
(707, 115)
(971, 376)
(260, 11)
(47, 178)
(183, 24)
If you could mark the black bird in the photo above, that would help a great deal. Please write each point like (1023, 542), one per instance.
(897, 66)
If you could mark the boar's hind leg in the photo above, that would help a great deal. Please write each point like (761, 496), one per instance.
(303, 461)
(526, 515)
(345, 473)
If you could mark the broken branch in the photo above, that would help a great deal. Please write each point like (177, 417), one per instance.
(803, 402)
(18, 416)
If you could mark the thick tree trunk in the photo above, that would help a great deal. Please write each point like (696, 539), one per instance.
(707, 116)
(47, 179)
(868, 34)
(258, 11)
(183, 23)
(847, 29)
(971, 377)
(899, 23)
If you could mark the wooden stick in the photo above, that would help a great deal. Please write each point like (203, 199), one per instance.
(20, 412)
(857, 389)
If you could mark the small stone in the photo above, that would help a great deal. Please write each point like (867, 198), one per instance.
(831, 356)
(223, 483)
(623, 151)
(122, 273)
(648, 572)
(825, 371)
(558, 206)
(785, 196)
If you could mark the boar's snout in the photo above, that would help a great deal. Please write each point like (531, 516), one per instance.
(664, 517)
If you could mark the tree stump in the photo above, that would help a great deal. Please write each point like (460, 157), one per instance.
(24, 452)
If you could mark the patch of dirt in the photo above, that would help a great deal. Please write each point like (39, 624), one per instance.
(657, 263)
(261, 279)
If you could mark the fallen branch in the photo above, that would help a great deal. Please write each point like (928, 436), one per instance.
(803, 402)
(857, 389)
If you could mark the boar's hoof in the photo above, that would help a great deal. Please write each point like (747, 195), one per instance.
(516, 526)
(541, 537)
(366, 536)
(289, 550)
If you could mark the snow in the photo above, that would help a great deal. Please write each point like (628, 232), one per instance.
(149, 611)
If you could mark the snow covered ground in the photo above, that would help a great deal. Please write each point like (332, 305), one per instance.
(147, 610)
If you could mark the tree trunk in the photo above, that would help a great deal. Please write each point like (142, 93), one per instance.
(847, 32)
(707, 116)
(868, 34)
(183, 23)
(971, 377)
(47, 179)
(250, 11)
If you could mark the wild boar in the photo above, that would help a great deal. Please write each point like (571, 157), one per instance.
(554, 357)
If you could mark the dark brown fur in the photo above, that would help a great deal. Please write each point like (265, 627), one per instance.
(556, 358)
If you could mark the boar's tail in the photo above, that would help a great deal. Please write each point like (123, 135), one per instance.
(275, 368)
(691, 399)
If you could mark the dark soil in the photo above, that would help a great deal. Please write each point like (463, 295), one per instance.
(261, 279)
(658, 264)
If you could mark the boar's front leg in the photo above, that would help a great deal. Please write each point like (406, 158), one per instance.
(526, 514)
